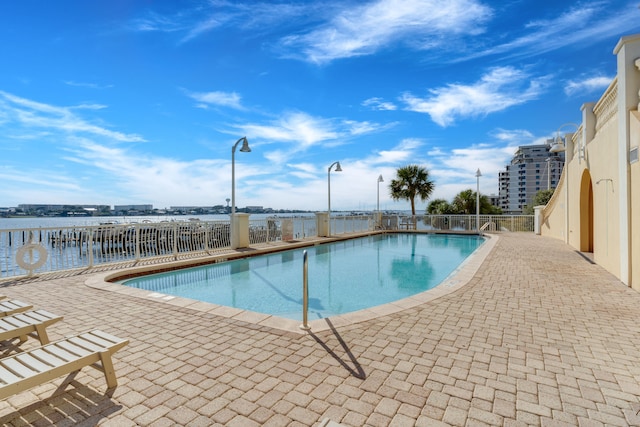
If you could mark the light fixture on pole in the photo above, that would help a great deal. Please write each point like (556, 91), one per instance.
(478, 175)
(338, 169)
(378, 203)
(560, 144)
(244, 149)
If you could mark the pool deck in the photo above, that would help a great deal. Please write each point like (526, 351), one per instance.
(533, 335)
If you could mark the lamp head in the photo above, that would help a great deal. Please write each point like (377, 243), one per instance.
(245, 145)
(558, 146)
(338, 168)
(380, 179)
(478, 173)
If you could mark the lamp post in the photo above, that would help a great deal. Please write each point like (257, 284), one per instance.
(378, 203)
(338, 169)
(244, 149)
(478, 175)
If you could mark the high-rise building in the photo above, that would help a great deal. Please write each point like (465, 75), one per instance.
(533, 168)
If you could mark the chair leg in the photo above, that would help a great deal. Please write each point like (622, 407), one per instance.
(41, 330)
(107, 367)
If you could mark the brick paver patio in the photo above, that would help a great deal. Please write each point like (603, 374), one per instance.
(538, 336)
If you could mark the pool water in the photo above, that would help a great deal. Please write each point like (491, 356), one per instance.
(343, 276)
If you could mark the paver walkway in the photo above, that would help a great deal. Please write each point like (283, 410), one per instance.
(539, 336)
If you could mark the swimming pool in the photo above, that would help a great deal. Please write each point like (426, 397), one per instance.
(343, 276)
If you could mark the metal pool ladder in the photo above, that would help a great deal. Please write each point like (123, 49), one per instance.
(305, 293)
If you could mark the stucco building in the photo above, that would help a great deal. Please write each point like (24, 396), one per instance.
(596, 207)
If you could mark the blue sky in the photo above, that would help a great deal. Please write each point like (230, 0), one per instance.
(121, 102)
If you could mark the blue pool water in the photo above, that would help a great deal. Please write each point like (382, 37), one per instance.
(343, 276)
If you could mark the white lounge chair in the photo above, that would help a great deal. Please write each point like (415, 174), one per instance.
(28, 323)
(28, 369)
(13, 306)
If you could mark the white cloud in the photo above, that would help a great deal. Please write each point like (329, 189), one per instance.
(303, 131)
(205, 17)
(151, 178)
(455, 170)
(87, 85)
(379, 104)
(29, 114)
(301, 128)
(583, 24)
(369, 28)
(499, 89)
(219, 98)
(515, 136)
(354, 127)
(587, 85)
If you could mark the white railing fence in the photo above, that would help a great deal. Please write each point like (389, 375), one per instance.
(48, 249)
(506, 223)
(343, 224)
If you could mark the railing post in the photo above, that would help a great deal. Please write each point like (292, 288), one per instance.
(90, 247)
(305, 293)
(136, 229)
(175, 240)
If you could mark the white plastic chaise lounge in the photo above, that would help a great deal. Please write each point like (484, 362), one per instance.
(28, 369)
(28, 323)
(13, 306)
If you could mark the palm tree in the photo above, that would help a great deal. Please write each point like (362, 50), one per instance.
(440, 207)
(411, 181)
(465, 202)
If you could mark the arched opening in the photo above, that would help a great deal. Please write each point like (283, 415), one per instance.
(586, 213)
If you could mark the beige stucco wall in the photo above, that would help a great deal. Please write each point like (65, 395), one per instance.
(635, 202)
(602, 162)
(553, 215)
(600, 167)
(610, 224)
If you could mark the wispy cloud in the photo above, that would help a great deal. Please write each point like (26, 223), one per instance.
(150, 177)
(306, 130)
(87, 85)
(499, 89)
(513, 136)
(366, 29)
(298, 127)
(583, 24)
(206, 17)
(217, 98)
(403, 152)
(587, 85)
(379, 104)
(30, 115)
(300, 131)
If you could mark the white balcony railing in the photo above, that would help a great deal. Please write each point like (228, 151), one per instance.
(49, 249)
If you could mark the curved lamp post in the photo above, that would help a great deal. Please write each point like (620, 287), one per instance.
(244, 149)
(378, 204)
(338, 169)
(478, 175)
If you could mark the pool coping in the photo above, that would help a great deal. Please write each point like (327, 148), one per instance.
(456, 280)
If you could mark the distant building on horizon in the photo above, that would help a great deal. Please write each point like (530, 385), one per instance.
(131, 209)
(532, 168)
